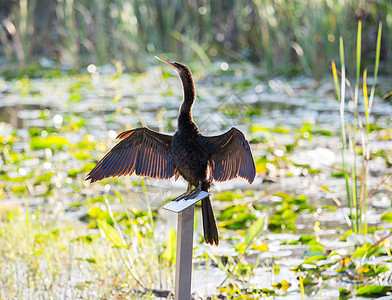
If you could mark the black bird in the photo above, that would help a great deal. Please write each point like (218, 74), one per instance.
(198, 159)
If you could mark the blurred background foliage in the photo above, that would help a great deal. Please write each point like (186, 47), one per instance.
(280, 36)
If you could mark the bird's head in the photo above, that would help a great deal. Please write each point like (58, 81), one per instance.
(181, 69)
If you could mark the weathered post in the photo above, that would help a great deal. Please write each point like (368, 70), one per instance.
(185, 222)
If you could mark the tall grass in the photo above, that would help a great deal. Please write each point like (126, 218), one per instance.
(355, 133)
(21, 31)
(282, 36)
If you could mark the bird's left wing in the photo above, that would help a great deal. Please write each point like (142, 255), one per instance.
(231, 156)
(141, 150)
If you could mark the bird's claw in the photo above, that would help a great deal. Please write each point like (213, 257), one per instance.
(188, 194)
(182, 196)
(193, 193)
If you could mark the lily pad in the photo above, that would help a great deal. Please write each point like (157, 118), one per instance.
(373, 291)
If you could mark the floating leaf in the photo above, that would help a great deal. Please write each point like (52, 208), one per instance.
(236, 217)
(366, 250)
(263, 247)
(82, 155)
(343, 292)
(19, 189)
(314, 259)
(227, 196)
(306, 239)
(381, 269)
(373, 291)
(387, 217)
(284, 285)
(361, 252)
(315, 250)
(52, 142)
(372, 270)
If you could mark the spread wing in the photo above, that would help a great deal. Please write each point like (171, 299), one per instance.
(143, 151)
(231, 156)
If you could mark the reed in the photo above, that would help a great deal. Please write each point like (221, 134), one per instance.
(355, 138)
(284, 37)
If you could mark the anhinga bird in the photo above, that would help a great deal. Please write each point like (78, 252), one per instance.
(198, 159)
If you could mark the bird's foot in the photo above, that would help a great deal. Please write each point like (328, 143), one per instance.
(189, 194)
(182, 196)
(193, 193)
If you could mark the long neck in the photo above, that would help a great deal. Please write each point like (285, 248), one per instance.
(185, 120)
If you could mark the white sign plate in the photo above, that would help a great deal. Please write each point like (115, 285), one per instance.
(179, 206)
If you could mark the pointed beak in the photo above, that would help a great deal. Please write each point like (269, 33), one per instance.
(167, 62)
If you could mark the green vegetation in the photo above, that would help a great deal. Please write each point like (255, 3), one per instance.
(315, 223)
(355, 136)
(282, 36)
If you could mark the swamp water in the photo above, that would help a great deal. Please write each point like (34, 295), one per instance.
(52, 132)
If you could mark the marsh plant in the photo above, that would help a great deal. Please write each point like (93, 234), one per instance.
(356, 130)
(281, 36)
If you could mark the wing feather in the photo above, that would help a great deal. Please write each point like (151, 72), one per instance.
(141, 150)
(132, 164)
(153, 160)
(118, 166)
(231, 156)
(121, 164)
(125, 170)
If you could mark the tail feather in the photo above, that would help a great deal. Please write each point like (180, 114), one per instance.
(209, 225)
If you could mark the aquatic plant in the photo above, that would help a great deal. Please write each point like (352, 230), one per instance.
(355, 135)
(282, 36)
(64, 238)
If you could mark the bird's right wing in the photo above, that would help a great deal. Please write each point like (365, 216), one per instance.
(141, 150)
(231, 156)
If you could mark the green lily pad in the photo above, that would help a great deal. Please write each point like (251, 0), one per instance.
(373, 291)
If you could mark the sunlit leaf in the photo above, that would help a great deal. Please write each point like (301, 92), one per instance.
(52, 142)
(111, 233)
(314, 258)
(381, 269)
(90, 260)
(343, 292)
(345, 235)
(335, 79)
(361, 252)
(365, 96)
(387, 217)
(253, 231)
(227, 196)
(373, 291)
(19, 189)
(366, 250)
(82, 155)
(170, 252)
(284, 285)
(276, 269)
(97, 213)
(306, 239)
(315, 250)
(263, 247)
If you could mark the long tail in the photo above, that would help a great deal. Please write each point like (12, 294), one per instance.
(209, 225)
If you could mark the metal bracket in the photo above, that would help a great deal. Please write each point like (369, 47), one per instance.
(185, 222)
